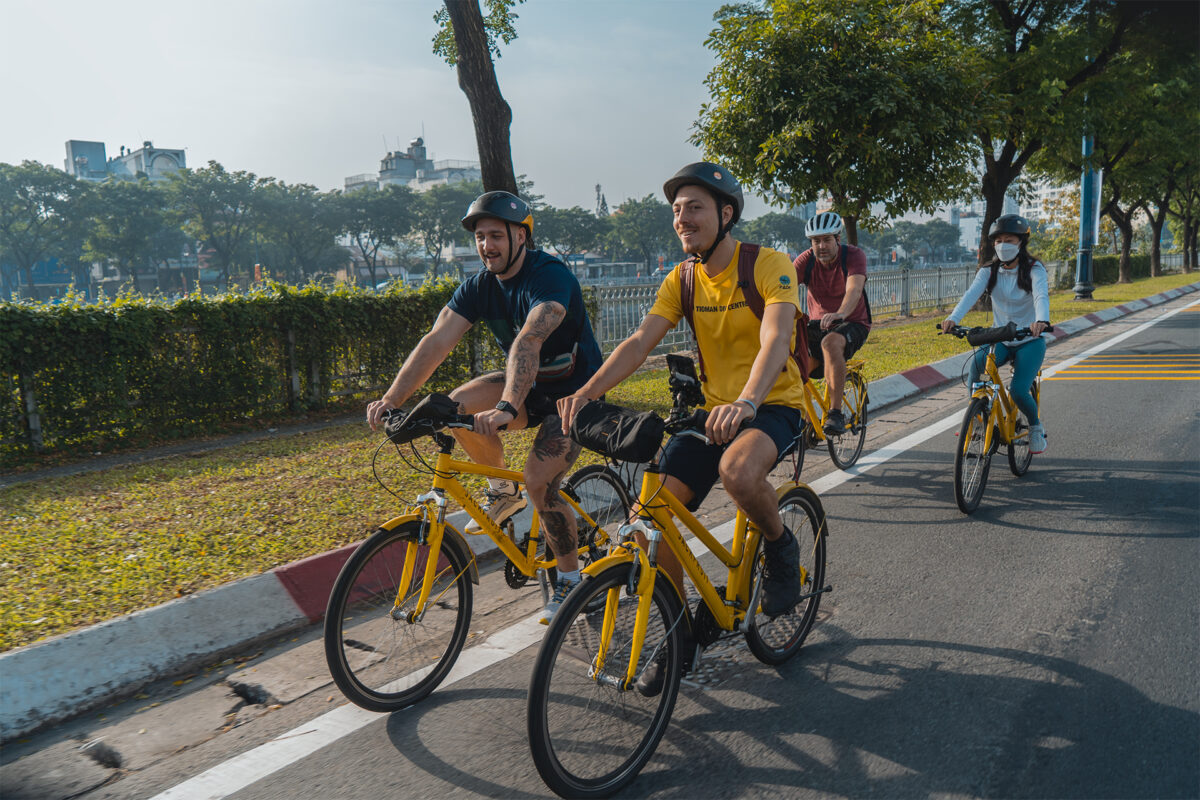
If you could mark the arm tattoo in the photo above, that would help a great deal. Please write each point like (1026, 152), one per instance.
(525, 354)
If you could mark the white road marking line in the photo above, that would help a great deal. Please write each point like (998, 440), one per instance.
(240, 771)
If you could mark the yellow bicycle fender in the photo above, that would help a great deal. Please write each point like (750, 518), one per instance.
(451, 538)
(622, 556)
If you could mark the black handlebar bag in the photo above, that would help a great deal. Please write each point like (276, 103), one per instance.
(618, 433)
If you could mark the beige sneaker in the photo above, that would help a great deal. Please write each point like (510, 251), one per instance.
(499, 507)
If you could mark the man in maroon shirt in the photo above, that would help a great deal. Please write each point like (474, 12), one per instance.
(839, 315)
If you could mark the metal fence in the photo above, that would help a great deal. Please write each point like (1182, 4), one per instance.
(892, 292)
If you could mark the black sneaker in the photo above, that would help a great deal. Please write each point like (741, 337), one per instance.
(835, 423)
(781, 576)
(654, 675)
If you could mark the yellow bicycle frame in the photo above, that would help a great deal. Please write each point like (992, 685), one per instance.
(1002, 416)
(820, 400)
(659, 509)
(430, 511)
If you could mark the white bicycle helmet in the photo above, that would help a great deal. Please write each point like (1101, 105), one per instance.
(824, 224)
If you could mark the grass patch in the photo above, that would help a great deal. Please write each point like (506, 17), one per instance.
(80, 550)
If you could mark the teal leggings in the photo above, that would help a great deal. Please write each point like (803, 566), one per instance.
(1027, 360)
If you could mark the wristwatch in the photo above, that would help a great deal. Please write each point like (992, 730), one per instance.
(507, 407)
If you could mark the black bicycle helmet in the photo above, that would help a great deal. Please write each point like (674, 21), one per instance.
(504, 206)
(724, 187)
(713, 177)
(1010, 223)
(508, 208)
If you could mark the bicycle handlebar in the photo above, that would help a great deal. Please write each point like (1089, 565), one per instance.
(429, 416)
(979, 335)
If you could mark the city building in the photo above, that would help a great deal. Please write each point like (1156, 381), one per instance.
(88, 161)
(414, 169)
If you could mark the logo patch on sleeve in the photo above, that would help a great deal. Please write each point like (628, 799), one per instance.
(785, 281)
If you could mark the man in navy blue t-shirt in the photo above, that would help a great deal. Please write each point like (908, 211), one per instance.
(534, 307)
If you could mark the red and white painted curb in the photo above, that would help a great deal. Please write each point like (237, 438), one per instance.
(58, 678)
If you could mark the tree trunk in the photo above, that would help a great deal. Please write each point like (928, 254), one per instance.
(477, 79)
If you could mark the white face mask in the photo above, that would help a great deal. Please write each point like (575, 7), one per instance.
(1007, 251)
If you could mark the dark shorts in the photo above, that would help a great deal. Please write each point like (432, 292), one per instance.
(539, 406)
(697, 465)
(855, 334)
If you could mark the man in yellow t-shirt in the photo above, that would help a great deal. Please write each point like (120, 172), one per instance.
(751, 378)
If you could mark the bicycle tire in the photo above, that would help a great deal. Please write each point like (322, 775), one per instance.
(972, 459)
(379, 660)
(774, 641)
(1019, 454)
(589, 737)
(845, 448)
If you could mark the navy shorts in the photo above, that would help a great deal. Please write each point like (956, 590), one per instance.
(697, 465)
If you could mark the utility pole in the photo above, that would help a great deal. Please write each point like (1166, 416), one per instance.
(1088, 196)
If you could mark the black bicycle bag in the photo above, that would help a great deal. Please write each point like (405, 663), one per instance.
(618, 433)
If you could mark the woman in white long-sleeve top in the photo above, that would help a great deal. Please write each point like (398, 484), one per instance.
(1020, 293)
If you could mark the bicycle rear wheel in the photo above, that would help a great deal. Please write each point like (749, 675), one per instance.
(774, 641)
(1019, 455)
(605, 501)
(381, 657)
(972, 459)
(588, 735)
(845, 448)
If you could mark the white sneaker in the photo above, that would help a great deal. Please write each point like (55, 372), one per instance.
(562, 588)
(1037, 439)
(499, 507)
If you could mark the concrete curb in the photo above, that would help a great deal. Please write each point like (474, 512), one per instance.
(52, 680)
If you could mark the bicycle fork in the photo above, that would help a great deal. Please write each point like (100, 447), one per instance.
(643, 571)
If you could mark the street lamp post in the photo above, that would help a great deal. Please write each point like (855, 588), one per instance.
(1087, 224)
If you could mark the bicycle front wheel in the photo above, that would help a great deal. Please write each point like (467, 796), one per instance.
(383, 652)
(972, 459)
(775, 640)
(845, 448)
(588, 733)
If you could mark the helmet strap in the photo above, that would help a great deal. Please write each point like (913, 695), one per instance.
(513, 258)
(722, 231)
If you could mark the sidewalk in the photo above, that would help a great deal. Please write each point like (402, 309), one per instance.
(115, 658)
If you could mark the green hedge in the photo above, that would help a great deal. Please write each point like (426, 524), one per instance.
(1107, 269)
(135, 369)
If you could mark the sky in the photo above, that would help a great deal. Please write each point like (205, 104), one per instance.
(308, 91)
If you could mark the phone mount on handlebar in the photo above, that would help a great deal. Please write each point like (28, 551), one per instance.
(684, 384)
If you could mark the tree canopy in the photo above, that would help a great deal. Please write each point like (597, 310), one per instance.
(861, 100)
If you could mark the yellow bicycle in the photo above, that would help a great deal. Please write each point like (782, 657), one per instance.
(399, 612)
(844, 448)
(590, 729)
(992, 418)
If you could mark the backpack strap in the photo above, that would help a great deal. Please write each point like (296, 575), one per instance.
(747, 257)
(687, 291)
(846, 276)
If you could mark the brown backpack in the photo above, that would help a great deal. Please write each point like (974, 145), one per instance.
(747, 255)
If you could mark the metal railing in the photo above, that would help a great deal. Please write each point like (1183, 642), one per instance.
(898, 292)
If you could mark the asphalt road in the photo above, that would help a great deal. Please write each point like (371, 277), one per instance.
(1046, 646)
